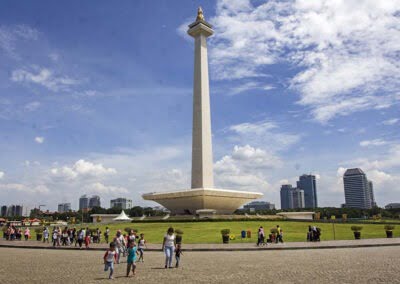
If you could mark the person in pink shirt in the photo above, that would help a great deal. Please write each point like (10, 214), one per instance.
(27, 234)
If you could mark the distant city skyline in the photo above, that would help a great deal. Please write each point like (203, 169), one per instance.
(104, 107)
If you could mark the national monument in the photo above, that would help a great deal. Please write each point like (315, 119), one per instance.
(202, 194)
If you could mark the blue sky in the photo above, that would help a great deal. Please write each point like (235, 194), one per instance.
(96, 97)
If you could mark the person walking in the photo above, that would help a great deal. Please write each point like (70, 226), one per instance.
(87, 240)
(98, 235)
(46, 235)
(178, 253)
(261, 236)
(119, 241)
(107, 234)
(55, 237)
(131, 237)
(168, 247)
(142, 245)
(278, 234)
(131, 259)
(27, 234)
(110, 258)
(80, 237)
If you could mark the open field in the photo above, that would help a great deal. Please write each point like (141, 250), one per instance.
(209, 232)
(356, 265)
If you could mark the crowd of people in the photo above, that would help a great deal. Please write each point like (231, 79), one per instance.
(132, 247)
(275, 236)
(70, 236)
(313, 234)
(13, 233)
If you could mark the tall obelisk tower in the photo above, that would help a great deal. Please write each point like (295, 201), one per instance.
(202, 158)
(202, 198)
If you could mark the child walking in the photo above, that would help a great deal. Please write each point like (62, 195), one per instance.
(110, 258)
(131, 259)
(141, 247)
(87, 240)
(178, 253)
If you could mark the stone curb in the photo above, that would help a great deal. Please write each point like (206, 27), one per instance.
(217, 249)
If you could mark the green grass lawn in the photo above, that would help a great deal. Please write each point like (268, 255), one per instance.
(209, 232)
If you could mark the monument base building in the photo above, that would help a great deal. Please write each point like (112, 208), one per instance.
(189, 201)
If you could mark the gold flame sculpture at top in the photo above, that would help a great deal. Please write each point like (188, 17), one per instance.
(200, 16)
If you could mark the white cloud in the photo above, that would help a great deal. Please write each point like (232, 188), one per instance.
(392, 121)
(101, 189)
(32, 106)
(385, 161)
(374, 142)
(28, 163)
(259, 132)
(54, 56)
(346, 51)
(252, 85)
(245, 168)
(19, 187)
(43, 77)
(39, 139)
(83, 168)
(1, 175)
(10, 36)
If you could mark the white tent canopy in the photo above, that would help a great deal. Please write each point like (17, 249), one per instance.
(122, 217)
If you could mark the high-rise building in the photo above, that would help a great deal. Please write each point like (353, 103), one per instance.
(94, 201)
(14, 210)
(371, 193)
(298, 198)
(4, 210)
(309, 185)
(286, 196)
(259, 205)
(64, 207)
(121, 203)
(18, 210)
(357, 191)
(83, 202)
(291, 197)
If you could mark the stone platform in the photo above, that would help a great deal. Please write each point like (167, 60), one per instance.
(223, 201)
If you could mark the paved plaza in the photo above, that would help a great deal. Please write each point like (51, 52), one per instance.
(348, 265)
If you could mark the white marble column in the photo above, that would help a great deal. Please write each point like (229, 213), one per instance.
(202, 158)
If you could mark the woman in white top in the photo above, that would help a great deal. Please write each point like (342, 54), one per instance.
(168, 247)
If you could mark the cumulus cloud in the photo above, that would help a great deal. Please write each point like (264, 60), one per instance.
(1, 175)
(43, 77)
(374, 142)
(25, 188)
(83, 168)
(101, 189)
(346, 51)
(39, 139)
(259, 132)
(391, 121)
(245, 168)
